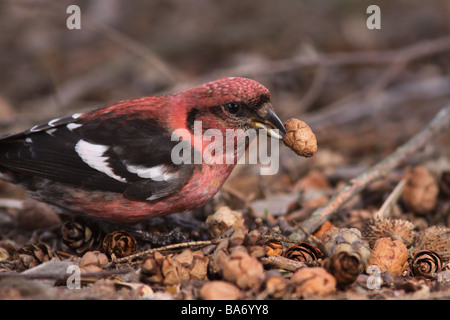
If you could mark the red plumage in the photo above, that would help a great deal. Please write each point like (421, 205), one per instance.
(116, 163)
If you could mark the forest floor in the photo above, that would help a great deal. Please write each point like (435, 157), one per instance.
(364, 93)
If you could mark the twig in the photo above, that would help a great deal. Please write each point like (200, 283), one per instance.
(413, 52)
(280, 238)
(336, 115)
(280, 262)
(115, 35)
(315, 89)
(385, 209)
(62, 276)
(137, 48)
(439, 123)
(399, 61)
(75, 88)
(170, 247)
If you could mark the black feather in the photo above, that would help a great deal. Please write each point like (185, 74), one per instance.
(48, 151)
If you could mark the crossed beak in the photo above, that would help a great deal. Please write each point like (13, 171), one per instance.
(267, 119)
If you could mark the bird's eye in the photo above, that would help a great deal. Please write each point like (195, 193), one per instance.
(233, 107)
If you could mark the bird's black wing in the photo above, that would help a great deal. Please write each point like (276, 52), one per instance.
(131, 157)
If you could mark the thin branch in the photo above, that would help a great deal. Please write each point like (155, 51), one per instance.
(115, 35)
(356, 109)
(407, 54)
(386, 208)
(176, 246)
(63, 276)
(280, 262)
(136, 47)
(315, 89)
(398, 63)
(440, 123)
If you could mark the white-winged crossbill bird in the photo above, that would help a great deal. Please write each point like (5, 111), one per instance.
(115, 163)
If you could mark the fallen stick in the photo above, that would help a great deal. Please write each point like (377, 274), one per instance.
(280, 262)
(439, 123)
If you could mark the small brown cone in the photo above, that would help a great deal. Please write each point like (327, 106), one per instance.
(243, 270)
(276, 285)
(389, 255)
(222, 220)
(79, 238)
(396, 229)
(437, 239)
(151, 268)
(344, 267)
(421, 191)
(426, 263)
(219, 290)
(92, 261)
(347, 240)
(303, 252)
(300, 138)
(119, 244)
(32, 255)
(314, 281)
(273, 248)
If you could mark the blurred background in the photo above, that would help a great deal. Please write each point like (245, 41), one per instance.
(363, 92)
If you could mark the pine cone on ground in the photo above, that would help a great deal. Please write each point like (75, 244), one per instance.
(389, 255)
(348, 240)
(80, 238)
(396, 229)
(119, 244)
(426, 263)
(303, 252)
(32, 255)
(437, 239)
(344, 267)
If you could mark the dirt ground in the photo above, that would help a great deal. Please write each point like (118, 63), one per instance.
(363, 92)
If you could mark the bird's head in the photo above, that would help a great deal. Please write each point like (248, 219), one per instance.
(233, 103)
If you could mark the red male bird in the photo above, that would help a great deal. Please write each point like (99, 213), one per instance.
(115, 163)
